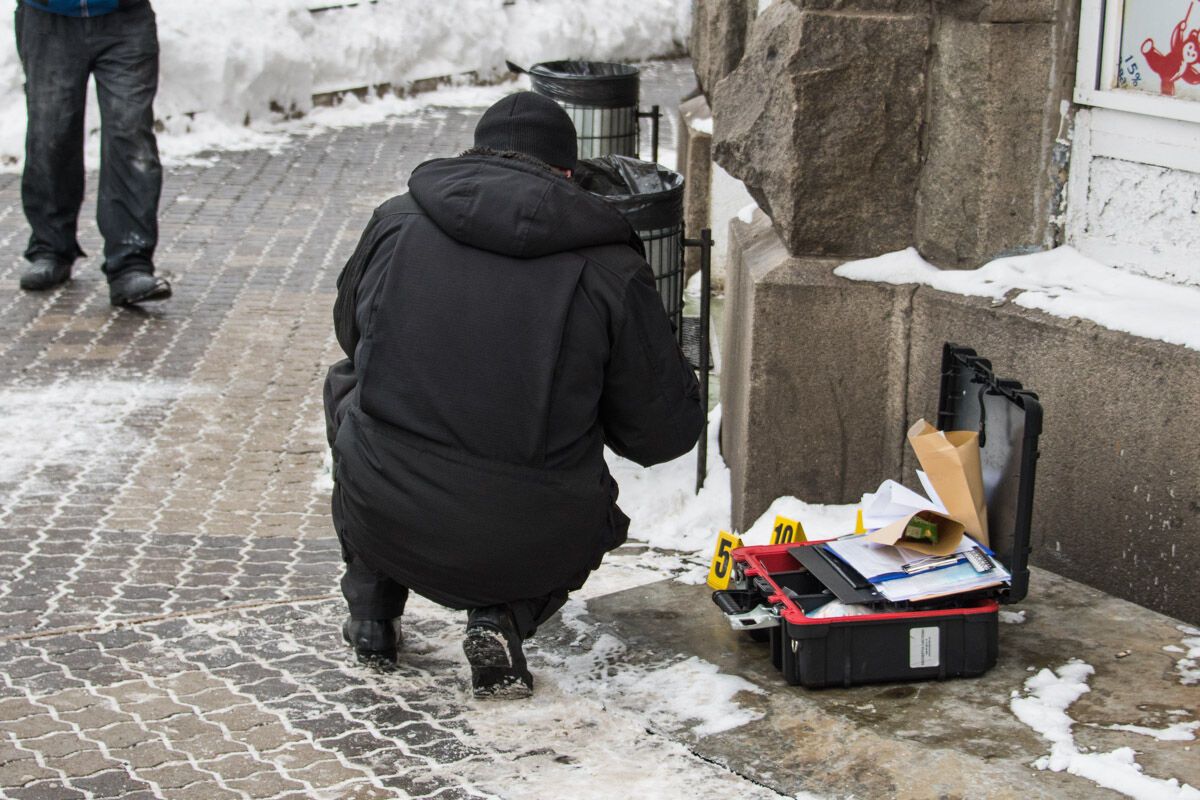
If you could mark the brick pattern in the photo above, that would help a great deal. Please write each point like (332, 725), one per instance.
(169, 621)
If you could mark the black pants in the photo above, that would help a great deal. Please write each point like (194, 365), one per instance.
(373, 595)
(120, 50)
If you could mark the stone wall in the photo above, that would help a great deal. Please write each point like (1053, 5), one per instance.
(863, 126)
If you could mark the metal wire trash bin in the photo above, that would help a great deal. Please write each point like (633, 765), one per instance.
(601, 99)
(651, 198)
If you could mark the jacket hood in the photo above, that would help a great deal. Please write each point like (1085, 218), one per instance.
(515, 209)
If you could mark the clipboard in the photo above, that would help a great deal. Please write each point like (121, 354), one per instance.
(843, 580)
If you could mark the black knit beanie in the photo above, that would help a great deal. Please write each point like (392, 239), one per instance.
(532, 124)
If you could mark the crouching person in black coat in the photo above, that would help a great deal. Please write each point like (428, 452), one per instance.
(500, 327)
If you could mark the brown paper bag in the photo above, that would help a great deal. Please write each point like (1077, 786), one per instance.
(950, 533)
(951, 460)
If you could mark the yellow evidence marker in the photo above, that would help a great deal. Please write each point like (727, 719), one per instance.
(787, 531)
(721, 569)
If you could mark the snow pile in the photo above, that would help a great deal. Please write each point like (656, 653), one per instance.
(667, 513)
(662, 502)
(1189, 666)
(1043, 707)
(91, 422)
(231, 62)
(1062, 282)
(819, 521)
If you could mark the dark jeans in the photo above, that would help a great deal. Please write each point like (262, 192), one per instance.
(120, 50)
(373, 595)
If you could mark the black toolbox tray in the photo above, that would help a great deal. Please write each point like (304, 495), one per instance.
(948, 638)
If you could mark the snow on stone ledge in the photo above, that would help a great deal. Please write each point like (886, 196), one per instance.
(1062, 282)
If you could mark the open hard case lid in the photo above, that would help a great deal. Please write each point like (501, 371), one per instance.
(1009, 421)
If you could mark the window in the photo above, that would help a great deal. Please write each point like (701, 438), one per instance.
(1140, 56)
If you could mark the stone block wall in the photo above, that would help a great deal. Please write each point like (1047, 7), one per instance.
(821, 120)
(812, 386)
(863, 126)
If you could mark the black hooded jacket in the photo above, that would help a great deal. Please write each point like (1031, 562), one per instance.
(500, 327)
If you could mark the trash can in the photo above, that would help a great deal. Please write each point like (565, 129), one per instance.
(651, 198)
(600, 97)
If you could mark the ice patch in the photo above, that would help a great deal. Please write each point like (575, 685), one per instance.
(73, 422)
(701, 124)
(595, 714)
(701, 699)
(1062, 282)
(1043, 707)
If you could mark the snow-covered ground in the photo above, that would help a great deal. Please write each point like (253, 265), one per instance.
(56, 426)
(225, 63)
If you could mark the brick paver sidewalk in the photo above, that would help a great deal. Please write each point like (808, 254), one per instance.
(169, 616)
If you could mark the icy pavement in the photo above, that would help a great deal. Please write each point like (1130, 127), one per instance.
(169, 617)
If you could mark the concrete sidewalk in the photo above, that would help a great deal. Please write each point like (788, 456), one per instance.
(951, 739)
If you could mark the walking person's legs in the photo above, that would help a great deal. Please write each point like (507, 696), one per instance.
(52, 52)
(125, 65)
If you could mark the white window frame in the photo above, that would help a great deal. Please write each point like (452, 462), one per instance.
(1096, 72)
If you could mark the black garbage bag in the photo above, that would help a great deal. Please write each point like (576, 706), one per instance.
(649, 195)
(586, 83)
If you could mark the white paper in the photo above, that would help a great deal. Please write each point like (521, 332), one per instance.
(960, 578)
(873, 560)
(927, 485)
(893, 501)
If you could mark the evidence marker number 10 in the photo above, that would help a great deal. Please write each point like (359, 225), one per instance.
(720, 570)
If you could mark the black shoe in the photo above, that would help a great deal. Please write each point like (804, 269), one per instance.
(374, 640)
(44, 273)
(132, 287)
(493, 648)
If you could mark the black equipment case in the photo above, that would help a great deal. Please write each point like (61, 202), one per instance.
(952, 637)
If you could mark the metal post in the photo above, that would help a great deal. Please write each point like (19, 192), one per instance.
(653, 114)
(654, 133)
(705, 243)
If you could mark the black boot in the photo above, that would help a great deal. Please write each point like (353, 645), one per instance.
(493, 648)
(132, 287)
(44, 273)
(375, 641)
